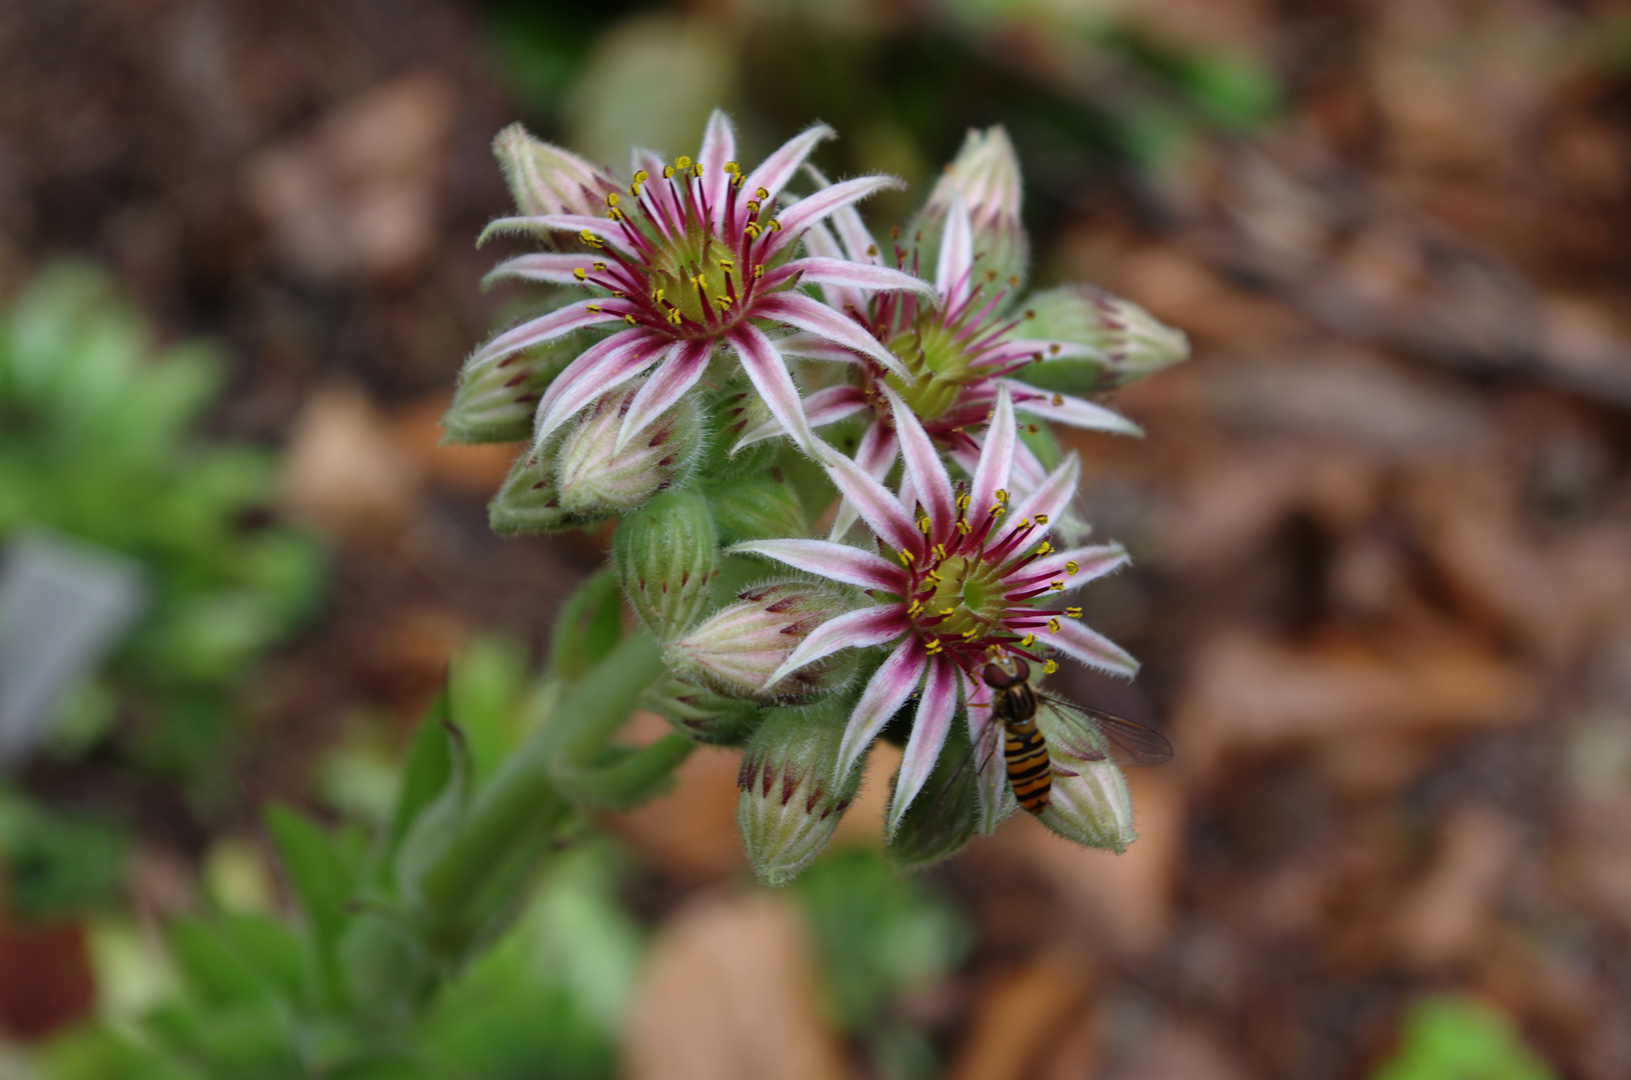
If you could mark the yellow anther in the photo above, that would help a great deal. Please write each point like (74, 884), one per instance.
(991, 275)
(1013, 281)
(962, 527)
(1049, 668)
(611, 198)
(948, 610)
(594, 308)
(1027, 641)
(1029, 314)
(752, 230)
(940, 552)
(732, 167)
(933, 647)
(736, 181)
(579, 273)
(1071, 567)
(1033, 428)
(1053, 350)
(668, 172)
(682, 162)
(761, 194)
(753, 206)
(872, 250)
(1002, 496)
(775, 226)
(724, 302)
(600, 266)
(1025, 523)
(641, 177)
(629, 319)
(1053, 625)
(657, 295)
(905, 557)
(589, 238)
(914, 607)
(971, 633)
(962, 502)
(674, 316)
(1044, 548)
(998, 510)
(934, 576)
(759, 271)
(615, 214)
(1057, 586)
(1074, 612)
(699, 282)
(1041, 519)
(923, 525)
(696, 170)
(727, 264)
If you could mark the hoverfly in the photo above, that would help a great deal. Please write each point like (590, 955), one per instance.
(1031, 769)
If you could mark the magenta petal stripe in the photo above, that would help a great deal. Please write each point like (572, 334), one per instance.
(930, 482)
(550, 269)
(996, 456)
(840, 562)
(768, 372)
(688, 361)
(556, 324)
(805, 313)
(956, 253)
(818, 270)
(888, 688)
(774, 172)
(603, 366)
(853, 630)
(929, 729)
(877, 507)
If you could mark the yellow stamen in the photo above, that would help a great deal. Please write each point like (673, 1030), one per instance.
(971, 633)
(589, 238)
(594, 309)
(1058, 399)
(1044, 548)
(1071, 567)
(1027, 641)
(759, 271)
(905, 557)
(578, 272)
(948, 610)
(962, 502)
(962, 527)
(1057, 586)
(668, 172)
(600, 266)
(753, 230)
(629, 319)
(923, 525)
(611, 198)
(1074, 612)
(761, 194)
(1053, 625)
(1049, 668)
(1041, 519)
(682, 162)
(732, 167)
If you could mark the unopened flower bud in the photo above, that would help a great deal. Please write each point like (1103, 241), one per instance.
(1131, 342)
(1089, 801)
(545, 179)
(986, 174)
(702, 714)
(596, 479)
(496, 402)
(944, 815)
(528, 501)
(667, 555)
(756, 508)
(733, 412)
(737, 649)
(789, 803)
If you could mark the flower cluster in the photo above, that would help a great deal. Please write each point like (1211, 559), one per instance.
(731, 337)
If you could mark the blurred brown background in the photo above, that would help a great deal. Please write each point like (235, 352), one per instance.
(1381, 522)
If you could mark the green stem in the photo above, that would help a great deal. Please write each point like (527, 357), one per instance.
(520, 802)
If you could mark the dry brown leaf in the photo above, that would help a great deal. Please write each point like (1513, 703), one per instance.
(343, 471)
(358, 195)
(1249, 694)
(729, 993)
(1019, 1018)
(1179, 1051)
(1446, 915)
(1126, 899)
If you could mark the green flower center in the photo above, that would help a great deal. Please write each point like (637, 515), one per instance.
(939, 364)
(696, 276)
(968, 596)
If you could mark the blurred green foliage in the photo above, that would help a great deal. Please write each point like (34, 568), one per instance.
(101, 445)
(1456, 1038)
(880, 935)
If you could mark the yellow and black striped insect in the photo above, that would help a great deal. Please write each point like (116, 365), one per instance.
(1031, 769)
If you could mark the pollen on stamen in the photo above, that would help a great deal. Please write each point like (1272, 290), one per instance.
(1045, 546)
(923, 525)
(589, 238)
(1074, 612)
(1027, 641)
(971, 633)
(933, 647)
(579, 273)
(682, 162)
(1057, 586)
(668, 172)
(761, 194)
(905, 557)
(872, 250)
(1053, 625)
(948, 611)
(1050, 667)
(1058, 399)
(1071, 567)
(611, 198)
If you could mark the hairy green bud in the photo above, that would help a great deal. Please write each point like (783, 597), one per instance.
(1089, 801)
(1132, 343)
(736, 650)
(789, 803)
(945, 815)
(495, 402)
(529, 502)
(596, 478)
(667, 554)
(756, 508)
(702, 714)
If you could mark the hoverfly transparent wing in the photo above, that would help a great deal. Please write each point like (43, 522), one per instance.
(1093, 735)
(991, 774)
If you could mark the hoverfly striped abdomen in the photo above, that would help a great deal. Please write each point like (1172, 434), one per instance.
(1030, 770)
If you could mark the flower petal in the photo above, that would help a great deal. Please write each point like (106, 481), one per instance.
(876, 505)
(774, 172)
(609, 231)
(817, 205)
(557, 323)
(686, 365)
(1013, 351)
(814, 347)
(1075, 411)
(929, 729)
(821, 408)
(850, 228)
(806, 313)
(1049, 498)
(876, 455)
(1091, 563)
(827, 271)
(852, 630)
(956, 260)
(1090, 647)
(768, 372)
(659, 193)
(606, 364)
(840, 562)
(818, 240)
(996, 457)
(889, 687)
(551, 268)
(930, 482)
(718, 147)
